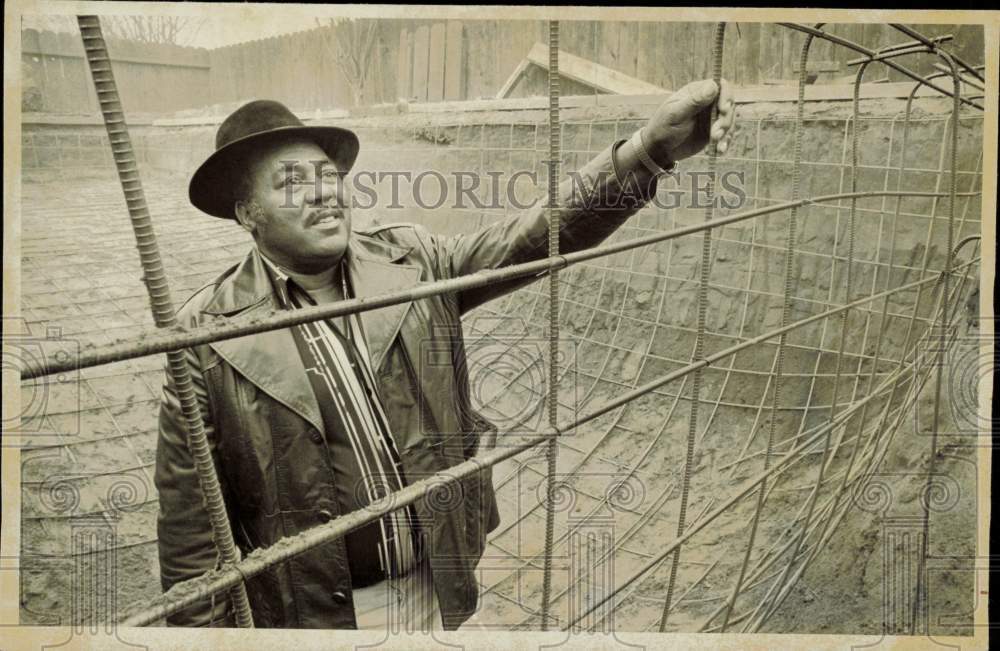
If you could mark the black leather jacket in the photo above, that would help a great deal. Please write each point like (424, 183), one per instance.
(262, 419)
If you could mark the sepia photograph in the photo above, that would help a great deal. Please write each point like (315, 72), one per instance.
(497, 327)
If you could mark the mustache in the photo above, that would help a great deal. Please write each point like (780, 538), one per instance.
(325, 211)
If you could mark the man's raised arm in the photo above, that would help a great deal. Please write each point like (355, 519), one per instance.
(599, 198)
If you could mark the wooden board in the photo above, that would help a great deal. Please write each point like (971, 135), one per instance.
(592, 74)
(435, 63)
(404, 64)
(453, 61)
(421, 44)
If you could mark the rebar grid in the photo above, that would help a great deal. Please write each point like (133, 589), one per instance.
(183, 595)
(779, 358)
(838, 422)
(152, 341)
(881, 56)
(705, 271)
(872, 54)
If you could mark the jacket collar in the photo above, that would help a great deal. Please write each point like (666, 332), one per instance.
(270, 359)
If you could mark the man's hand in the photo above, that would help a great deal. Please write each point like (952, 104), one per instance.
(680, 126)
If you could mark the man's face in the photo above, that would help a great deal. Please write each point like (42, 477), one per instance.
(296, 208)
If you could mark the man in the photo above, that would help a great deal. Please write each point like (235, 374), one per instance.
(314, 421)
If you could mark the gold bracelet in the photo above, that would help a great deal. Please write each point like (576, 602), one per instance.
(640, 150)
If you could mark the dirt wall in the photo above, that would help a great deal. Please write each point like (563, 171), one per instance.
(626, 320)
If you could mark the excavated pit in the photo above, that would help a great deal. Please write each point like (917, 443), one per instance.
(625, 320)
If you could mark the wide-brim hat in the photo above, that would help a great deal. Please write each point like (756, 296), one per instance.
(212, 188)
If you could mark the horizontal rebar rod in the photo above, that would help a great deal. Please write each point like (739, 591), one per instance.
(912, 33)
(893, 49)
(975, 83)
(747, 487)
(152, 341)
(193, 590)
(882, 56)
(819, 33)
(184, 594)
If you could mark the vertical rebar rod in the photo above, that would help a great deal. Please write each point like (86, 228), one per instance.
(554, 221)
(786, 309)
(882, 325)
(943, 305)
(827, 461)
(161, 303)
(913, 394)
(699, 342)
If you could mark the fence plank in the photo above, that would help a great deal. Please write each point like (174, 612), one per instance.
(480, 59)
(628, 44)
(607, 44)
(453, 61)
(664, 55)
(746, 68)
(421, 43)
(404, 64)
(435, 63)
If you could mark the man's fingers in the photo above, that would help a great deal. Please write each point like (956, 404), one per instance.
(723, 124)
(695, 97)
(725, 97)
(721, 127)
(726, 117)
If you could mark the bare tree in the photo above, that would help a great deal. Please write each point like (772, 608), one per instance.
(176, 30)
(356, 45)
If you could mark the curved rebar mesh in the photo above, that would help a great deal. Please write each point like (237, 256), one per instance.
(626, 320)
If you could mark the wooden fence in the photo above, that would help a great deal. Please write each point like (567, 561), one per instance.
(667, 55)
(152, 78)
(376, 61)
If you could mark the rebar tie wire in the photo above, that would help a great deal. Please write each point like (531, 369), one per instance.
(160, 301)
(699, 342)
(552, 449)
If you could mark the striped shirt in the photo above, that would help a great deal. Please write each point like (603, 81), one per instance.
(366, 464)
